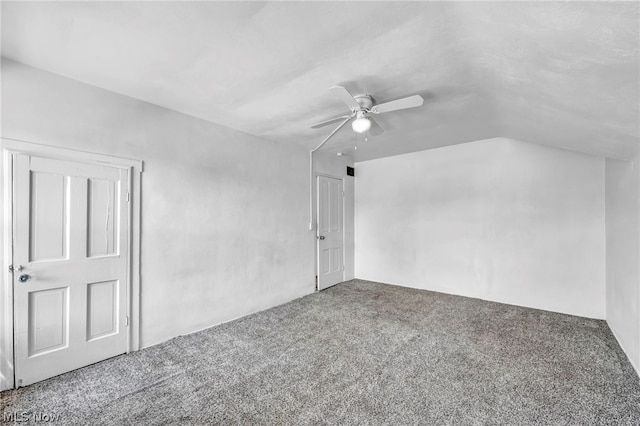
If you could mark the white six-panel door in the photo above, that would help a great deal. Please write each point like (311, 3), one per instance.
(70, 262)
(330, 232)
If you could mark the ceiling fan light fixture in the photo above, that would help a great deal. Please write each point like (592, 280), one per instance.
(361, 124)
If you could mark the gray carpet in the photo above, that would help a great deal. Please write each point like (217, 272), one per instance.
(360, 353)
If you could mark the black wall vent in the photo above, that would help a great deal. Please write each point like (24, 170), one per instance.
(351, 171)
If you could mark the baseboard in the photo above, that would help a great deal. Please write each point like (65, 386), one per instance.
(483, 297)
(298, 295)
(634, 363)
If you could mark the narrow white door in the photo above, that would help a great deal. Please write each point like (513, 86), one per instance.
(330, 235)
(70, 265)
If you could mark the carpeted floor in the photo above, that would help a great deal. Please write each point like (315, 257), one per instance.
(359, 353)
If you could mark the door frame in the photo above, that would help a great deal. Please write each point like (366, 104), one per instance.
(135, 168)
(317, 234)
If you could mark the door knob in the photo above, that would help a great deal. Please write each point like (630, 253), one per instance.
(321, 237)
(24, 278)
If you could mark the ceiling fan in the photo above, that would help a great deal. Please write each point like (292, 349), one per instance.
(362, 106)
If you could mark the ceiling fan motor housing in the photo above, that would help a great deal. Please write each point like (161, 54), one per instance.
(365, 101)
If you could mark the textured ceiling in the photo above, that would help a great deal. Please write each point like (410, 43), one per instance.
(564, 74)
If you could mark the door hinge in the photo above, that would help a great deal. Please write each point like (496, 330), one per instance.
(316, 282)
(343, 193)
(126, 321)
(128, 196)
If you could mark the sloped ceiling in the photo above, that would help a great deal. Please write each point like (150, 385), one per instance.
(564, 74)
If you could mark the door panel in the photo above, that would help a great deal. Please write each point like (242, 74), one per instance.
(330, 232)
(48, 313)
(102, 309)
(102, 225)
(70, 236)
(48, 224)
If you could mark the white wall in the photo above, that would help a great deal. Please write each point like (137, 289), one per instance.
(497, 219)
(224, 214)
(623, 254)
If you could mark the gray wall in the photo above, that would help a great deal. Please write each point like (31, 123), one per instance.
(224, 214)
(497, 219)
(623, 254)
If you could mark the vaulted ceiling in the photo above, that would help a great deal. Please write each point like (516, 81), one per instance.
(564, 74)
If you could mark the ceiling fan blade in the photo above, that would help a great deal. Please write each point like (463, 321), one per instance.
(344, 95)
(330, 121)
(375, 129)
(410, 102)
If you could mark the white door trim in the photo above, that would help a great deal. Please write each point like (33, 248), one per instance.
(317, 213)
(135, 167)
